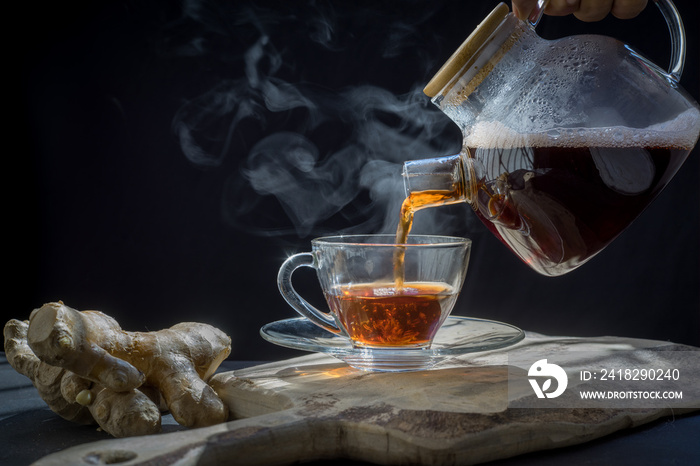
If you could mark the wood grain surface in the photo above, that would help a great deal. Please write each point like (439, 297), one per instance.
(461, 412)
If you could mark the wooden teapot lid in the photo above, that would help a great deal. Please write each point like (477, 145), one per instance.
(466, 50)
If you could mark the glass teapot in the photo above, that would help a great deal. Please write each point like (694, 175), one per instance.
(565, 142)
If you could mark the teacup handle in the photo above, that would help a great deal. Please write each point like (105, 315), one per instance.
(299, 304)
(675, 28)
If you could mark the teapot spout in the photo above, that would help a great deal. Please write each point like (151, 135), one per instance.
(438, 181)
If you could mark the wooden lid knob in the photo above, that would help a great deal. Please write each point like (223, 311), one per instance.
(466, 50)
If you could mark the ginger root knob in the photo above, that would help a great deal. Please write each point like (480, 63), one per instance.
(87, 368)
(84, 398)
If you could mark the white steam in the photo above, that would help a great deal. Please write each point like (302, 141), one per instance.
(326, 155)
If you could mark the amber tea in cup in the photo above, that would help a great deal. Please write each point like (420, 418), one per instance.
(369, 302)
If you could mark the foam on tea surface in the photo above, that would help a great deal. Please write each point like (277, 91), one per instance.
(680, 132)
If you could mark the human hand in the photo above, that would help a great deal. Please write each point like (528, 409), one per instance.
(585, 10)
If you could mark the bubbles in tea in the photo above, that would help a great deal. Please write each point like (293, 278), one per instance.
(382, 315)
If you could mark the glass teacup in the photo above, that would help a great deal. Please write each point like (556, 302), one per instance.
(382, 295)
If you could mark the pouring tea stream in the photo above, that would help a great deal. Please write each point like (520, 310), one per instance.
(565, 142)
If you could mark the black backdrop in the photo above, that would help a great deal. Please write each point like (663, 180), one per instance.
(165, 157)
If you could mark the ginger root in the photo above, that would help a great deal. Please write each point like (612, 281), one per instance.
(87, 369)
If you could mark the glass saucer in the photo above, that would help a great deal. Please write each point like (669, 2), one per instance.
(457, 336)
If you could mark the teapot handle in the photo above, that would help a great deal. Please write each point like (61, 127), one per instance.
(675, 27)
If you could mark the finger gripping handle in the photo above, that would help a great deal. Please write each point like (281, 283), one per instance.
(299, 304)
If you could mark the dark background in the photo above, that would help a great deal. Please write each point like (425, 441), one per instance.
(164, 158)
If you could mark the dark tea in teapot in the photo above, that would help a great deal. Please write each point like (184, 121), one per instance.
(558, 202)
(561, 200)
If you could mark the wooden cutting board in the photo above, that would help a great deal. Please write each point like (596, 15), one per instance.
(316, 407)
